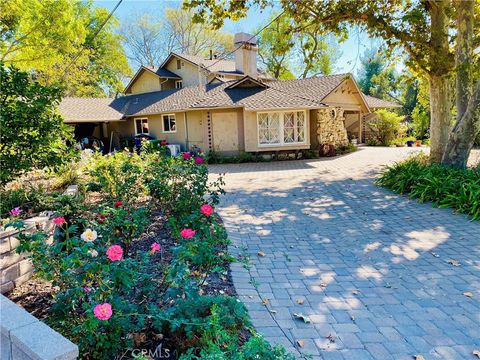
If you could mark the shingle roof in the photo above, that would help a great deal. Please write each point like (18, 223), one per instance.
(91, 109)
(302, 93)
(374, 102)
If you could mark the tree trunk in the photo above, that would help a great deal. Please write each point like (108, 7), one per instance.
(463, 135)
(440, 116)
(441, 66)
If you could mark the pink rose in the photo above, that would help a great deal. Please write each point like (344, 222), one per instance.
(115, 253)
(117, 203)
(163, 142)
(206, 209)
(16, 211)
(198, 160)
(155, 247)
(87, 289)
(59, 220)
(186, 155)
(103, 311)
(187, 233)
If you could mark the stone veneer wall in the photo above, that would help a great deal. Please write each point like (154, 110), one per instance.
(15, 269)
(331, 130)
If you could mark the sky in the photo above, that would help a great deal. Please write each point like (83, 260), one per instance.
(350, 50)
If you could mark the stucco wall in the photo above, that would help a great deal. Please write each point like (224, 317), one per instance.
(346, 96)
(146, 82)
(227, 127)
(251, 134)
(188, 72)
(196, 129)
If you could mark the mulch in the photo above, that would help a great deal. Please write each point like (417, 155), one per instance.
(37, 295)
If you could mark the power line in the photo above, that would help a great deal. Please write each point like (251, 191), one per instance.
(253, 36)
(93, 38)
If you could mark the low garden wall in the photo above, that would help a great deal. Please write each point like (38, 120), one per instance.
(15, 269)
(23, 336)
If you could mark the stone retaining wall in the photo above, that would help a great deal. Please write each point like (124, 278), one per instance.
(24, 337)
(15, 269)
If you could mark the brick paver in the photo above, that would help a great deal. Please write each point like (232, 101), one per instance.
(370, 269)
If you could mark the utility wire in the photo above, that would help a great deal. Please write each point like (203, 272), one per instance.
(253, 36)
(94, 36)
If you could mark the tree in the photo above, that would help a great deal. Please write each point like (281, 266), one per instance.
(275, 48)
(32, 133)
(372, 64)
(310, 52)
(423, 29)
(58, 41)
(145, 40)
(150, 39)
(467, 127)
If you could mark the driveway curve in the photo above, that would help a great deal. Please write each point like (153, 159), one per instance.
(333, 267)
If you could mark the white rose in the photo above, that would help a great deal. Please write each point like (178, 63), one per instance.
(93, 252)
(89, 235)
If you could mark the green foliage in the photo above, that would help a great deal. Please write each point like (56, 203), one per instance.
(214, 157)
(119, 176)
(145, 295)
(49, 37)
(444, 186)
(386, 126)
(285, 52)
(32, 134)
(345, 149)
(180, 186)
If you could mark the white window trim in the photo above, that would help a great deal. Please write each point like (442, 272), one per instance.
(178, 81)
(282, 133)
(135, 125)
(163, 124)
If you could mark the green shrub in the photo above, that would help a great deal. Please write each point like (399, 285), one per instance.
(444, 186)
(345, 149)
(33, 134)
(386, 126)
(118, 176)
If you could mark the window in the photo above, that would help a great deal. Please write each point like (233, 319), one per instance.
(178, 84)
(179, 64)
(281, 128)
(169, 123)
(141, 126)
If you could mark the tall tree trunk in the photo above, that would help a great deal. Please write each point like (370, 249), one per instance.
(440, 115)
(462, 136)
(440, 103)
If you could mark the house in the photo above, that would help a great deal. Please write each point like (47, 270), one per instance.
(226, 106)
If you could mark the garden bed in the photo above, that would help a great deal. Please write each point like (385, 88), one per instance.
(445, 187)
(140, 261)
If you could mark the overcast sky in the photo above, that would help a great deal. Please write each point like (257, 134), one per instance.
(351, 49)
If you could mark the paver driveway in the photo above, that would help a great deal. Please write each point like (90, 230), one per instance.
(370, 268)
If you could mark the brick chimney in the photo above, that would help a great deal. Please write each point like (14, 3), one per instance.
(246, 55)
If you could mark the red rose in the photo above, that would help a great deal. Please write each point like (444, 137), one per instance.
(163, 142)
(118, 203)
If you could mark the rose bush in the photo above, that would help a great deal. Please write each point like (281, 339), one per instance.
(108, 294)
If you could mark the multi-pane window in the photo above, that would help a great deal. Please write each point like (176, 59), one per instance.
(178, 84)
(141, 126)
(179, 64)
(169, 123)
(279, 128)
